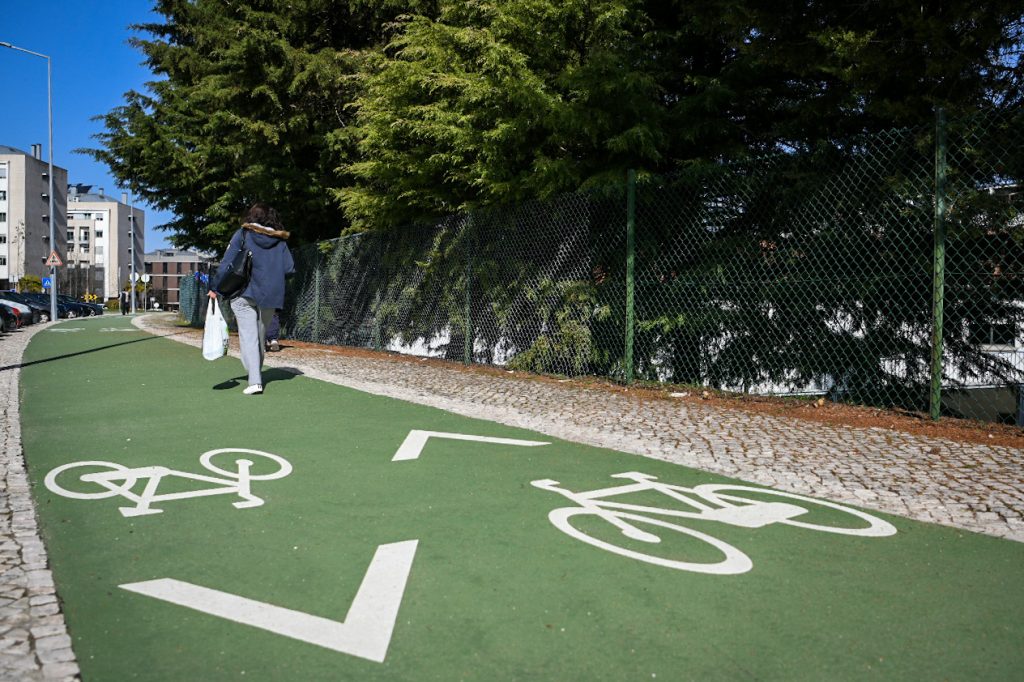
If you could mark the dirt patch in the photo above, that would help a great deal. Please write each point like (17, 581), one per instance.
(817, 410)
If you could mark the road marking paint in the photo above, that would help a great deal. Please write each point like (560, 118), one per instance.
(365, 632)
(413, 444)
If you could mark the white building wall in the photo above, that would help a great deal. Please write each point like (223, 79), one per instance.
(5, 231)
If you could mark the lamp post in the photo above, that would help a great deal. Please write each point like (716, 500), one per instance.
(51, 217)
(133, 277)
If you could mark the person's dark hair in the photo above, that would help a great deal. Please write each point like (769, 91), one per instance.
(264, 214)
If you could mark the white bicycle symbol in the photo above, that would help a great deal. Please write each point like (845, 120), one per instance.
(114, 479)
(710, 502)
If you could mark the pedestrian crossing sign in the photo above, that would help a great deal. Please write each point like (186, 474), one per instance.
(53, 260)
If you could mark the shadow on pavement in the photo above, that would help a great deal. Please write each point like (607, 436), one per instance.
(270, 375)
(82, 352)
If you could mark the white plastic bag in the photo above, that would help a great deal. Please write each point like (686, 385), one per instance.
(215, 333)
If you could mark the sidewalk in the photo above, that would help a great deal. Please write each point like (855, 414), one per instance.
(971, 486)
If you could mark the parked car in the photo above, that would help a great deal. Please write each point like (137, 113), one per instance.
(26, 313)
(43, 309)
(89, 308)
(8, 318)
(63, 310)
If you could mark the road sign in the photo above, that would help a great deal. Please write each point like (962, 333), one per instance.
(47, 282)
(54, 260)
(145, 279)
(135, 277)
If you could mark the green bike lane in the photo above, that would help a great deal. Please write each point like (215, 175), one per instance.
(438, 560)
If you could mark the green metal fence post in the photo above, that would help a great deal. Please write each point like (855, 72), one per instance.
(939, 260)
(316, 301)
(467, 355)
(630, 248)
(378, 341)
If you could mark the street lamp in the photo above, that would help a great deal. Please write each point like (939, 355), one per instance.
(133, 277)
(49, 112)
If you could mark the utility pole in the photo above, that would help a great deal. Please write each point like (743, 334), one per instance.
(131, 238)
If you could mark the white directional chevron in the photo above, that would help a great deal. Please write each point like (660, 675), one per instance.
(413, 444)
(365, 632)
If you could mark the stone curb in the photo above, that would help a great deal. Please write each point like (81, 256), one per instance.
(34, 641)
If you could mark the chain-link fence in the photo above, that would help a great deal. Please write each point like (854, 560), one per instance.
(533, 287)
(192, 298)
(829, 271)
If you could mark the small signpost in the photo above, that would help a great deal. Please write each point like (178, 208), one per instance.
(54, 260)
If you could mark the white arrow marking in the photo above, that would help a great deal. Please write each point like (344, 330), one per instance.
(413, 444)
(365, 632)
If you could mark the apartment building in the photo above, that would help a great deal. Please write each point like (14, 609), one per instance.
(166, 268)
(25, 214)
(103, 235)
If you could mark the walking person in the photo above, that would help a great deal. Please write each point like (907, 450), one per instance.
(125, 302)
(265, 237)
(273, 332)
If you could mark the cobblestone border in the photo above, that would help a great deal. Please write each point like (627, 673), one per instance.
(971, 486)
(34, 641)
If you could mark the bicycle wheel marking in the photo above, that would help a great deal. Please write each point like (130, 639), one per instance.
(708, 502)
(119, 480)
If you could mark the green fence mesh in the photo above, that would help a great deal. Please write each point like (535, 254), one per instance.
(827, 271)
(533, 287)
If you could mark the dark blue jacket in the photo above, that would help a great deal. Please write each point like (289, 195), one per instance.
(271, 263)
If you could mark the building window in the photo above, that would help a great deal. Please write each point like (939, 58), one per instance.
(3, 260)
(3, 238)
(99, 234)
(3, 195)
(994, 335)
(85, 248)
(177, 267)
(71, 235)
(99, 216)
(99, 249)
(84, 236)
(3, 217)
(164, 265)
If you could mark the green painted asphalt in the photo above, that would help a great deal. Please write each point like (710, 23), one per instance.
(495, 590)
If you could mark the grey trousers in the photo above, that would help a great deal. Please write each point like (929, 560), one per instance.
(251, 325)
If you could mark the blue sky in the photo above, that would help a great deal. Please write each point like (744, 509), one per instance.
(93, 66)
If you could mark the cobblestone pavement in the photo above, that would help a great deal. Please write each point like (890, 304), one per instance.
(971, 486)
(34, 643)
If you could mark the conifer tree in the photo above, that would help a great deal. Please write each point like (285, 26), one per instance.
(249, 103)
